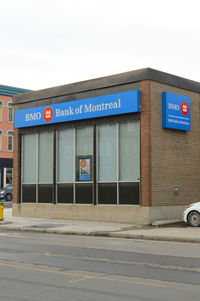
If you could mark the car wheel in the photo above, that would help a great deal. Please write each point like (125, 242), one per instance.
(194, 219)
(8, 197)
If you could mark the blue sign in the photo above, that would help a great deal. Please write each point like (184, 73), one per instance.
(176, 111)
(107, 105)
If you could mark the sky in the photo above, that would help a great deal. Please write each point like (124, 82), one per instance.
(47, 43)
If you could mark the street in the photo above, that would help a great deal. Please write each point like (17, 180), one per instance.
(37, 266)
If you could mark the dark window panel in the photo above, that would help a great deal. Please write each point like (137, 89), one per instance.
(107, 193)
(65, 193)
(129, 193)
(84, 193)
(45, 193)
(29, 193)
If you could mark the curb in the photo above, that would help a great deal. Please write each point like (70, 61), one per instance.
(110, 234)
(166, 222)
(156, 237)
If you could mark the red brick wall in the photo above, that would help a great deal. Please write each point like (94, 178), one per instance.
(5, 126)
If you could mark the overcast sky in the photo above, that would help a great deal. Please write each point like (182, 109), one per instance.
(46, 43)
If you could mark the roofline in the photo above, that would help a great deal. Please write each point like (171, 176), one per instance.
(110, 81)
(10, 91)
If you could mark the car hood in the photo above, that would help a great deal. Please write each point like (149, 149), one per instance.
(197, 204)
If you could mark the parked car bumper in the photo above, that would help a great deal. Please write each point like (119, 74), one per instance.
(185, 213)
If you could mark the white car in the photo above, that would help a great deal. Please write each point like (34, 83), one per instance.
(191, 214)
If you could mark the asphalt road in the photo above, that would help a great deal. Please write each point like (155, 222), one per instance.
(35, 266)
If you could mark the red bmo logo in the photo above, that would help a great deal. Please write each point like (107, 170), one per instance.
(48, 114)
(184, 108)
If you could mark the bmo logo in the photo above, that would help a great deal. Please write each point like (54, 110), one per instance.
(32, 116)
(48, 114)
(173, 106)
(184, 108)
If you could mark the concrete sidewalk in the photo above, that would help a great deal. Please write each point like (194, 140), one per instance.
(179, 232)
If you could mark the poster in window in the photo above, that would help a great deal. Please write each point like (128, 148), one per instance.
(84, 169)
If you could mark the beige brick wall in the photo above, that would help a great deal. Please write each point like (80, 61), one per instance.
(175, 154)
(145, 144)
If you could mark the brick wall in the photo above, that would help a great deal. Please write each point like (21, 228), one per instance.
(5, 126)
(16, 165)
(175, 153)
(169, 158)
(146, 150)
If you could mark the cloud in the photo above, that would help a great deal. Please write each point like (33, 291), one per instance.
(49, 43)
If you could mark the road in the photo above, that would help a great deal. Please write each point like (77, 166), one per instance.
(36, 266)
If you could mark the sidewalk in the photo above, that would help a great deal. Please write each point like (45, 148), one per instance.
(175, 232)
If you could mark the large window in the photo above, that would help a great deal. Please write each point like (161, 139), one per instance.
(129, 162)
(118, 163)
(107, 164)
(88, 165)
(84, 163)
(74, 165)
(65, 166)
(45, 167)
(29, 168)
(37, 167)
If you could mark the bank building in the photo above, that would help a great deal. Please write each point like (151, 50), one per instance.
(121, 148)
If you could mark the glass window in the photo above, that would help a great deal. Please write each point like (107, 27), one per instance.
(1, 135)
(1, 105)
(65, 155)
(84, 141)
(10, 141)
(129, 152)
(45, 155)
(84, 154)
(10, 113)
(107, 153)
(84, 163)
(29, 158)
(117, 164)
(8, 176)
